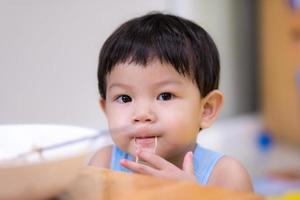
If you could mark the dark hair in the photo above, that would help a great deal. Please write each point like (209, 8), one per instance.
(171, 39)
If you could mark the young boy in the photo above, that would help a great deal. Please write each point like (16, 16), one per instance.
(159, 74)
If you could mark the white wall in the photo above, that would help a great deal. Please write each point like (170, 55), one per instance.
(49, 51)
(232, 25)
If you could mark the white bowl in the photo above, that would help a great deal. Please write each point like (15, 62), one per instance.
(38, 177)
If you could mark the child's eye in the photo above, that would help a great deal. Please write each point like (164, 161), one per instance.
(165, 96)
(123, 99)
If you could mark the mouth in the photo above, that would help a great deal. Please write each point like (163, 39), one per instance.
(148, 143)
(145, 140)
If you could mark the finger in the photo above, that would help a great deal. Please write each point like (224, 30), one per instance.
(155, 160)
(188, 163)
(139, 168)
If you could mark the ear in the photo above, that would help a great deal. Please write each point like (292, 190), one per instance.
(102, 104)
(211, 107)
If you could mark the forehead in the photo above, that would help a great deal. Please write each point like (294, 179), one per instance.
(153, 71)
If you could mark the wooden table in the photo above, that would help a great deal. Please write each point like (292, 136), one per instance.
(98, 184)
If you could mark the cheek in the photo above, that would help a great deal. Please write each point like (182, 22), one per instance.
(117, 117)
(182, 115)
(182, 122)
(120, 140)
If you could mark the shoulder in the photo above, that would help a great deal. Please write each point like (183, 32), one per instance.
(102, 157)
(230, 173)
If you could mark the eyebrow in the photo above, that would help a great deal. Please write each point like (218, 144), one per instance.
(120, 85)
(168, 82)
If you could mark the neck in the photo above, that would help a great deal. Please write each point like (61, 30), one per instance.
(177, 160)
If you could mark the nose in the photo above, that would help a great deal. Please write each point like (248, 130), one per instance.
(143, 113)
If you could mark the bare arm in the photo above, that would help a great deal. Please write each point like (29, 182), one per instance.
(101, 158)
(229, 173)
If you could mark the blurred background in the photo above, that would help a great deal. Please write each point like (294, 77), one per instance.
(48, 66)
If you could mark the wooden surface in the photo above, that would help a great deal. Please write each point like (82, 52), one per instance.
(97, 184)
(279, 53)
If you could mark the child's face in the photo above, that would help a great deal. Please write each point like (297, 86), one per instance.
(158, 102)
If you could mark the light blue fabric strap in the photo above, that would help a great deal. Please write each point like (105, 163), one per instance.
(117, 155)
(204, 163)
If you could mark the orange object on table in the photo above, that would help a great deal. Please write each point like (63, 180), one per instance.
(96, 184)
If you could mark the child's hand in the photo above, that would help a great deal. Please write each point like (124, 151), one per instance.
(161, 167)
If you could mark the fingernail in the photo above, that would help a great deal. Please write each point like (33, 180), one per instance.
(123, 161)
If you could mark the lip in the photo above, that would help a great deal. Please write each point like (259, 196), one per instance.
(142, 131)
(146, 143)
(145, 137)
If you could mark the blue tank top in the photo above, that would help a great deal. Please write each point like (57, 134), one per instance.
(204, 162)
